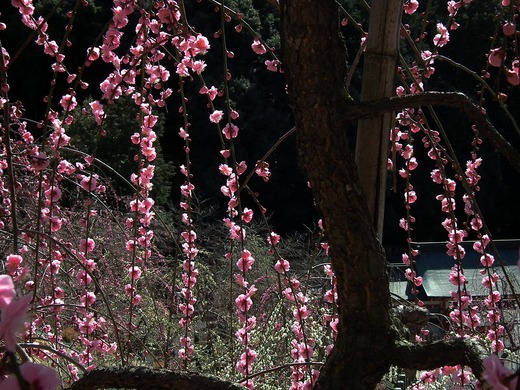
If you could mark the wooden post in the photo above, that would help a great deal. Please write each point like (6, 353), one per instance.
(379, 75)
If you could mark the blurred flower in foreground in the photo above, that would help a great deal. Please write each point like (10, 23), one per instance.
(498, 376)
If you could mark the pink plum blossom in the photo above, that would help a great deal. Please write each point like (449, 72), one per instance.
(496, 57)
(282, 266)
(262, 170)
(273, 239)
(273, 65)
(216, 116)
(136, 299)
(200, 44)
(512, 75)
(243, 302)
(97, 111)
(244, 365)
(258, 47)
(498, 376)
(230, 131)
(410, 6)
(13, 318)
(301, 313)
(12, 263)
(233, 114)
(168, 16)
(241, 167)
(87, 245)
(443, 36)
(509, 29)
(487, 260)
(246, 261)
(38, 377)
(68, 102)
(134, 273)
(247, 215)
(88, 183)
(7, 292)
(39, 161)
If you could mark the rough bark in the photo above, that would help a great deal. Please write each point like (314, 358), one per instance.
(314, 60)
(144, 378)
(379, 76)
(368, 342)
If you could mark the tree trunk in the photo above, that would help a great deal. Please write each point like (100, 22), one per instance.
(314, 61)
(368, 343)
(379, 75)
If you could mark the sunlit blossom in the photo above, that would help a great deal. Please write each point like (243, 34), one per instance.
(258, 47)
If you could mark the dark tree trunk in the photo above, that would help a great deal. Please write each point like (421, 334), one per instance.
(315, 65)
(314, 61)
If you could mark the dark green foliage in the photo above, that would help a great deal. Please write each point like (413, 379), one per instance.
(116, 150)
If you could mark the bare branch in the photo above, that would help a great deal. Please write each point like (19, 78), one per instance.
(451, 99)
(147, 378)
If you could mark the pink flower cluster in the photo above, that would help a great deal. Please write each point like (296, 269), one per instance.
(498, 56)
(331, 297)
(190, 251)
(458, 376)
(402, 138)
(244, 264)
(302, 344)
(466, 314)
(12, 320)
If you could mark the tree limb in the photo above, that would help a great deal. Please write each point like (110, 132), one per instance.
(440, 353)
(145, 378)
(451, 99)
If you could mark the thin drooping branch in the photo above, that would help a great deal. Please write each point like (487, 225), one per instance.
(440, 353)
(8, 151)
(146, 378)
(484, 85)
(451, 99)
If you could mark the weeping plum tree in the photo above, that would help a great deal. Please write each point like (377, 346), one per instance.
(95, 305)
